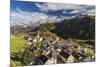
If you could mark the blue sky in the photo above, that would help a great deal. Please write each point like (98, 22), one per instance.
(25, 6)
(32, 7)
(26, 11)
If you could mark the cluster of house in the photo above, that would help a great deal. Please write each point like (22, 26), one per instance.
(56, 52)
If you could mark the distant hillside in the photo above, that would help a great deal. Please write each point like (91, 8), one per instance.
(75, 28)
(83, 27)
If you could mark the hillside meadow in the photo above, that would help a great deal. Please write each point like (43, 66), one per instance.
(16, 43)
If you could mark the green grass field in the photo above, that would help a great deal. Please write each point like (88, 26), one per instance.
(16, 43)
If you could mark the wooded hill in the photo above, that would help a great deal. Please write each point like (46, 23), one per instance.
(75, 28)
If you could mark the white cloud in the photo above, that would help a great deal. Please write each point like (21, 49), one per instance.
(74, 11)
(58, 6)
(29, 18)
(64, 12)
(20, 17)
(91, 12)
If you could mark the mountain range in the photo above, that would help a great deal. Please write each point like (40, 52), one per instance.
(83, 27)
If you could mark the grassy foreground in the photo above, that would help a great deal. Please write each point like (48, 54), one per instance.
(16, 43)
